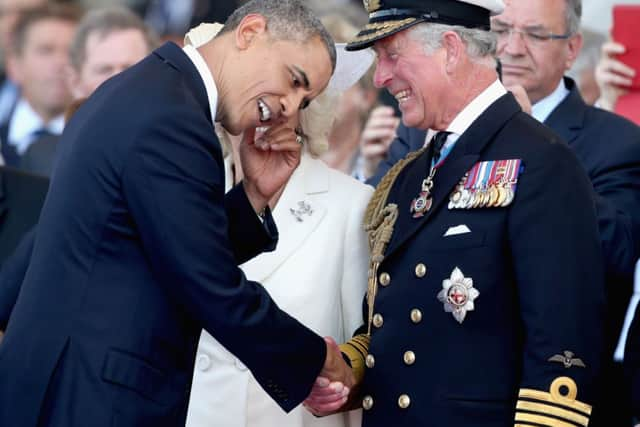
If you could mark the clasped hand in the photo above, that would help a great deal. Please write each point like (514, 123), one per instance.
(332, 387)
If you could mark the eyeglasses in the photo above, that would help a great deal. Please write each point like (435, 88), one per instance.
(531, 37)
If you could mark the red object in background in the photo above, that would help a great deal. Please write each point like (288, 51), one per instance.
(626, 31)
(629, 106)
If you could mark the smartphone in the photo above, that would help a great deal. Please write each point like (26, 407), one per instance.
(625, 32)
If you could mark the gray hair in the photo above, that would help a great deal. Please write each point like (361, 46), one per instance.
(480, 44)
(286, 20)
(104, 22)
(572, 15)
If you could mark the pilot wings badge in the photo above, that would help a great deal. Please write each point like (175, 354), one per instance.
(567, 360)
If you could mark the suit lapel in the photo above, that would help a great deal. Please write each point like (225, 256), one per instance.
(567, 119)
(309, 178)
(464, 155)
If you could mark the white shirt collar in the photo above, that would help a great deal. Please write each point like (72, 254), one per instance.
(25, 122)
(542, 109)
(207, 78)
(471, 112)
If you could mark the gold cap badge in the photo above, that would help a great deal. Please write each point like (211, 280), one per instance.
(371, 5)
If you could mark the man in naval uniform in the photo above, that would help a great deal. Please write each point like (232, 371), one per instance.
(486, 289)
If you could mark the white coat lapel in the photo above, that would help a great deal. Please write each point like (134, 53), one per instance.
(309, 180)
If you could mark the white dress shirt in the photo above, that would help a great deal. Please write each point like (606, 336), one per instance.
(542, 109)
(207, 78)
(25, 123)
(469, 114)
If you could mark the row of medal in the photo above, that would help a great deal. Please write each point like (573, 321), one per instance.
(489, 184)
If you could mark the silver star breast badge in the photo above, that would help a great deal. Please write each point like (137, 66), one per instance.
(458, 295)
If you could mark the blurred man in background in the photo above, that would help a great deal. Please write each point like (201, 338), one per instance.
(107, 42)
(38, 63)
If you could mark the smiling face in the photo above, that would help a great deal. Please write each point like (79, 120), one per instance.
(417, 80)
(535, 64)
(271, 80)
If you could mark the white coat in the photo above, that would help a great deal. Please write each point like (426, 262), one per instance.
(318, 274)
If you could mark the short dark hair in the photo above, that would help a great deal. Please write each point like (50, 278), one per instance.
(104, 22)
(286, 20)
(55, 11)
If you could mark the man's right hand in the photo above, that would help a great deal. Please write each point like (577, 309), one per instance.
(331, 389)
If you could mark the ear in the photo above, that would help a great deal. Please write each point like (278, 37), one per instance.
(250, 27)
(574, 46)
(453, 49)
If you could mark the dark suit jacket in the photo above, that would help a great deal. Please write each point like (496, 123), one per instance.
(537, 265)
(39, 157)
(136, 250)
(21, 198)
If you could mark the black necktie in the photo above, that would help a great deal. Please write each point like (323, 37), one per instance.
(41, 133)
(437, 142)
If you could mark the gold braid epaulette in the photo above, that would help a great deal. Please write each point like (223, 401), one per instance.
(379, 220)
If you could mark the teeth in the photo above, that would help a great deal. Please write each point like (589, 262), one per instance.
(265, 113)
(403, 95)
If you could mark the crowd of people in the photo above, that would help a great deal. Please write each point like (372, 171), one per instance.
(279, 212)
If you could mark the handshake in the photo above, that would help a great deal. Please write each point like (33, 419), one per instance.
(330, 392)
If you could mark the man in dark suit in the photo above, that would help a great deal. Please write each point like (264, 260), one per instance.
(137, 246)
(38, 63)
(607, 145)
(486, 289)
(106, 42)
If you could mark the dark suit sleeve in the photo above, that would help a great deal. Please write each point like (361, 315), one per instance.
(247, 234)
(617, 187)
(398, 150)
(558, 265)
(12, 274)
(174, 186)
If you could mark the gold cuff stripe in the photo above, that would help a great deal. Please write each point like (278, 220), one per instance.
(541, 420)
(357, 360)
(544, 409)
(546, 397)
(360, 351)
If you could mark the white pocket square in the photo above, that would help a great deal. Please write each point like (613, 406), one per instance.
(458, 229)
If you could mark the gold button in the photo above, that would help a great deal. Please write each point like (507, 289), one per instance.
(385, 279)
(421, 270)
(367, 402)
(404, 401)
(370, 361)
(409, 357)
(416, 316)
(378, 320)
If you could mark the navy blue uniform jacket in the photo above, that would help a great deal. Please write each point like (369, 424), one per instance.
(136, 251)
(537, 264)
